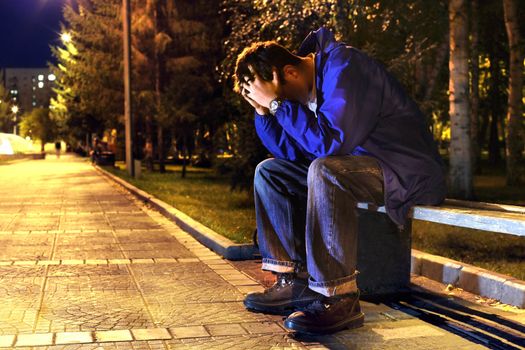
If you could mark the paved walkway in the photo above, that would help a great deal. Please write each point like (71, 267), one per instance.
(86, 266)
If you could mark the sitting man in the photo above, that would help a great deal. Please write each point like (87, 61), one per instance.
(342, 130)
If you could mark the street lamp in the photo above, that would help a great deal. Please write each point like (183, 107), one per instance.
(128, 115)
(14, 109)
(65, 37)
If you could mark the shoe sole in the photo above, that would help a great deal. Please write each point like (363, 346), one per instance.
(277, 309)
(351, 323)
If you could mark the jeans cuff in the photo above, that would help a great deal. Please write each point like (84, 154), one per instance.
(343, 285)
(278, 265)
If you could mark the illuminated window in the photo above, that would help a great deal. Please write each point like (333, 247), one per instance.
(40, 84)
(41, 77)
(51, 77)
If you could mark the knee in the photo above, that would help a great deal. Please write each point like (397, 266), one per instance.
(318, 169)
(261, 169)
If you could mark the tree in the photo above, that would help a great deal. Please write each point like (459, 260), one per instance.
(394, 32)
(460, 171)
(6, 117)
(474, 84)
(514, 129)
(38, 124)
(89, 71)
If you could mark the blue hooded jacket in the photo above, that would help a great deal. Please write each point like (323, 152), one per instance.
(361, 110)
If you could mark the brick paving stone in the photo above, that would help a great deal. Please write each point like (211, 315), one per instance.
(73, 337)
(7, 340)
(115, 335)
(189, 332)
(262, 327)
(151, 333)
(36, 339)
(225, 329)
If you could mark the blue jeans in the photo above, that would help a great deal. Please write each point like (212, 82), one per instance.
(307, 218)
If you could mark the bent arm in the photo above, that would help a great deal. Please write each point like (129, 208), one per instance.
(276, 140)
(350, 104)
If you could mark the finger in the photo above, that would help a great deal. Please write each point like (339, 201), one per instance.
(248, 88)
(275, 77)
(244, 91)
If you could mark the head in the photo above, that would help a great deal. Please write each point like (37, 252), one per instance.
(266, 57)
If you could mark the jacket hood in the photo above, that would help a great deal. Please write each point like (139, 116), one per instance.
(321, 39)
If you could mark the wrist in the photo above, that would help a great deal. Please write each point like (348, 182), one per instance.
(271, 99)
(274, 105)
(262, 111)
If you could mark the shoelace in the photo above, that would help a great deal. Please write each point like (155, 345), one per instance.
(324, 303)
(283, 279)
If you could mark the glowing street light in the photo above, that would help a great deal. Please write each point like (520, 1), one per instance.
(14, 109)
(65, 37)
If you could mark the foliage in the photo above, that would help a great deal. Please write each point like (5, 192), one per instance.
(175, 49)
(89, 84)
(38, 124)
(390, 31)
(5, 111)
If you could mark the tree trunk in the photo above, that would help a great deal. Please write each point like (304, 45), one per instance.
(148, 147)
(495, 109)
(160, 146)
(441, 58)
(184, 151)
(494, 144)
(514, 129)
(160, 78)
(474, 86)
(460, 144)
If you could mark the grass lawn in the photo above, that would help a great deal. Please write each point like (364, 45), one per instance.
(205, 196)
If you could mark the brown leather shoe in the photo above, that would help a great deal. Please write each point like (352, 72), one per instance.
(286, 295)
(328, 315)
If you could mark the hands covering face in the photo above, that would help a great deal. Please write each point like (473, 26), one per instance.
(259, 91)
(260, 109)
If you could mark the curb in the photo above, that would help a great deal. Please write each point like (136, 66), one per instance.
(506, 289)
(211, 239)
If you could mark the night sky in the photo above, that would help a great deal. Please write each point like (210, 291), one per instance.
(27, 28)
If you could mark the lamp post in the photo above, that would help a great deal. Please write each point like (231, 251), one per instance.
(128, 113)
(14, 109)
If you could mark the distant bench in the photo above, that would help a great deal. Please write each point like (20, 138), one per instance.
(384, 250)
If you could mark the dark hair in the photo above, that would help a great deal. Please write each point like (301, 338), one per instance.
(263, 57)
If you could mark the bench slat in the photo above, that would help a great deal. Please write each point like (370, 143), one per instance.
(476, 217)
(509, 223)
(485, 206)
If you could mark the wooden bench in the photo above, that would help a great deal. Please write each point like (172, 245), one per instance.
(384, 250)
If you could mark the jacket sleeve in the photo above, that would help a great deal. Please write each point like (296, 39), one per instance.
(349, 105)
(276, 140)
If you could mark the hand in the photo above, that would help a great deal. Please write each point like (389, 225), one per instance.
(261, 91)
(260, 109)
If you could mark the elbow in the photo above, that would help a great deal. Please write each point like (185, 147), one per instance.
(329, 149)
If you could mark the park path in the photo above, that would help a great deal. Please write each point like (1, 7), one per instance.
(84, 265)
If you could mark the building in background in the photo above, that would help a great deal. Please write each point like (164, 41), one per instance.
(28, 88)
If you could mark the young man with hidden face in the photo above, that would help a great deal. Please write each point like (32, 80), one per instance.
(341, 130)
